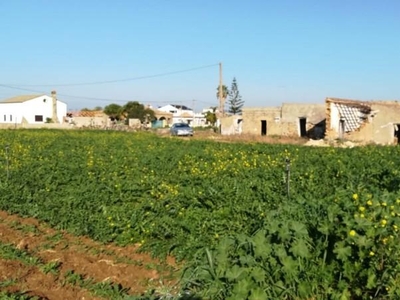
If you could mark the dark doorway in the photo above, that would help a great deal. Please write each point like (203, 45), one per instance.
(341, 129)
(303, 127)
(263, 127)
(397, 134)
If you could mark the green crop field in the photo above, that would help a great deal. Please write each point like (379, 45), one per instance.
(221, 209)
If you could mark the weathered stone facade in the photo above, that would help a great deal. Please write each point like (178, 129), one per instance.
(231, 125)
(307, 120)
(363, 121)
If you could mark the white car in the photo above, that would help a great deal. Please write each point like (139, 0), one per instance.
(181, 129)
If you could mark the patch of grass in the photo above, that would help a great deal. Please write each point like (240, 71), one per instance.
(52, 267)
(109, 290)
(8, 282)
(73, 278)
(10, 252)
(97, 251)
(17, 296)
(106, 289)
(55, 238)
(25, 228)
(129, 261)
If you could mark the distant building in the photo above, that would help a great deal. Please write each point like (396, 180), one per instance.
(182, 114)
(88, 118)
(33, 109)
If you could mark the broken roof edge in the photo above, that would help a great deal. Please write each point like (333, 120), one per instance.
(361, 102)
(349, 102)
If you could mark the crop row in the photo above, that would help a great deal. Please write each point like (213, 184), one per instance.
(222, 208)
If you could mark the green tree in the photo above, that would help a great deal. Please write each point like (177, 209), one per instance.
(135, 110)
(211, 117)
(114, 111)
(225, 93)
(235, 101)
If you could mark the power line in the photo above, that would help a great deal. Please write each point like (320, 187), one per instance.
(116, 80)
(98, 99)
(19, 88)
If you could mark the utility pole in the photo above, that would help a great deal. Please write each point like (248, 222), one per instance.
(221, 98)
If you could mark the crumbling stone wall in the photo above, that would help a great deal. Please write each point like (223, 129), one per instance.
(377, 124)
(284, 120)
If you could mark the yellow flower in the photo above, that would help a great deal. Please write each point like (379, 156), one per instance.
(352, 233)
(355, 196)
(371, 253)
(361, 208)
(383, 222)
(395, 227)
(362, 216)
(369, 202)
(398, 201)
(383, 204)
(391, 207)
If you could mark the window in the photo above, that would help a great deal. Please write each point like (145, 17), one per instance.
(10, 118)
(38, 118)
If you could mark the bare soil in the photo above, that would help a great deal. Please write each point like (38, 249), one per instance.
(239, 138)
(102, 263)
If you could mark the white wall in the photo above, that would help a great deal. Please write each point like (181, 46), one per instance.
(10, 113)
(61, 111)
(335, 117)
(40, 106)
(13, 113)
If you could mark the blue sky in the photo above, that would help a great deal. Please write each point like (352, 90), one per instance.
(279, 51)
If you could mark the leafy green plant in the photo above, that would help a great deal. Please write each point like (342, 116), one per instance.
(177, 197)
(7, 282)
(10, 252)
(52, 267)
(107, 289)
(17, 296)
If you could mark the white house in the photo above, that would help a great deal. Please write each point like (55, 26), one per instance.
(32, 109)
(182, 113)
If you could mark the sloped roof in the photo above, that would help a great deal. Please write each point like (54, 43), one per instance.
(20, 99)
(350, 102)
(88, 113)
(181, 107)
